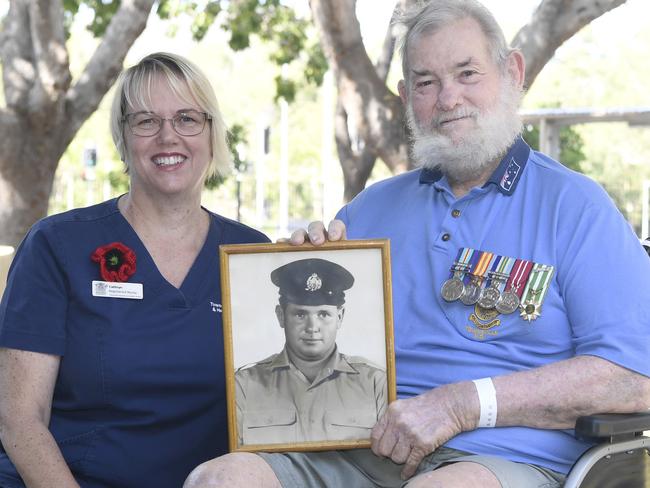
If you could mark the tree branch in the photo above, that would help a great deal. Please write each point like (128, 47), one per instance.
(50, 57)
(553, 22)
(388, 48)
(356, 167)
(363, 94)
(15, 50)
(102, 70)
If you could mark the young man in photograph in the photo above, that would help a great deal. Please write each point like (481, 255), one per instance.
(309, 391)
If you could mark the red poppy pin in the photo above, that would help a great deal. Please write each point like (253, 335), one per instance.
(116, 261)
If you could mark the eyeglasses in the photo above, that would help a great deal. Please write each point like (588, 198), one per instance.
(147, 124)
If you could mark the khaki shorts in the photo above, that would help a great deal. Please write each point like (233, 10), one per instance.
(360, 468)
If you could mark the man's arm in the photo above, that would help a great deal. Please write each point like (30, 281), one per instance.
(549, 397)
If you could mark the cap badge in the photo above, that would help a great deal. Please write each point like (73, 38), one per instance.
(314, 283)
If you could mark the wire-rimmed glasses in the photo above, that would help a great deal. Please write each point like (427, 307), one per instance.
(185, 123)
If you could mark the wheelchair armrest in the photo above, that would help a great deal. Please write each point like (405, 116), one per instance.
(612, 426)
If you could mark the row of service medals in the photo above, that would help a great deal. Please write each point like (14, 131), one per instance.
(498, 282)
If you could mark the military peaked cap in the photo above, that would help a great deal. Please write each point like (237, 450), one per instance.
(312, 282)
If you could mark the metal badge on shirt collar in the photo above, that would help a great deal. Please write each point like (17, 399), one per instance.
(510, 175)
(314, 283)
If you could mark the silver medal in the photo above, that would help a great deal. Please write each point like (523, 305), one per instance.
(471, 293)
(508, 302)
(489, 297)
(452, 289)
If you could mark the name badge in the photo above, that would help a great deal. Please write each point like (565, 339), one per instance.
(110, 289)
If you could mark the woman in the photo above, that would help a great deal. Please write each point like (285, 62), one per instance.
(111, 358)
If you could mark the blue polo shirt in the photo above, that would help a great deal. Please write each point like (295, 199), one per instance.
(533, 208)
(140, 398)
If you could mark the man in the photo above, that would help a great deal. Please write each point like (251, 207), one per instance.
(309, 391)
(487, 395)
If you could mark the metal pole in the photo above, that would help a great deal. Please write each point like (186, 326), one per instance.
(327, 205)
(283, 217)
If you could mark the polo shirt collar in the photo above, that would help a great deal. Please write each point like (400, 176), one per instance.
(506, 176)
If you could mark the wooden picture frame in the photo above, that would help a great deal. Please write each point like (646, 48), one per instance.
(341, 388)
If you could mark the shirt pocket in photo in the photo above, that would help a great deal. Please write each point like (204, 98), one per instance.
(269, 426)
(350, 424)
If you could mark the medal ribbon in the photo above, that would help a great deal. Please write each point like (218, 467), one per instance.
(502, 266)
(482, 264)
(471, 264)
(519, 276)
(537, 285)
(462, 260)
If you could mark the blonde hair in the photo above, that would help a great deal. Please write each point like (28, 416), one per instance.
(188, 83)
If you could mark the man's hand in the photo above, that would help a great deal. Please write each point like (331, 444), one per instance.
(413, 428)
(316, 233)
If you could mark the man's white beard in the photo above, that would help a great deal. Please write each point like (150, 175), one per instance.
(467, 159)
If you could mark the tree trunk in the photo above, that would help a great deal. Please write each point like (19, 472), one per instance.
(553, 22)
(370, 118)
(44, 109)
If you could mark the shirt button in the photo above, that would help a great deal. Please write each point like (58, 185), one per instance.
(446, 237)
(455, 213)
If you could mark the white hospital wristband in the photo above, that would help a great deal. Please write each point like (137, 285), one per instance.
(487, 397)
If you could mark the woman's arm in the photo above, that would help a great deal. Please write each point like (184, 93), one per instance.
(26, 387)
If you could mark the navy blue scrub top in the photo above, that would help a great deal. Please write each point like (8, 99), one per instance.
(140, 397)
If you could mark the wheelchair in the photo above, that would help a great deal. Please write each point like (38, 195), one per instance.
(621, 456)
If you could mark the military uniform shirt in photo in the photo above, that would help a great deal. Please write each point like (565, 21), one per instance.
(140, 396)
(533, 208)
(276, 403)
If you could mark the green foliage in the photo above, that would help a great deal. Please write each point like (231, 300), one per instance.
(270, 20)
(316, 65)
(119, 181)
(103, 12)
(285, 88)
(571, 145)
(237, 139)
(204, 16)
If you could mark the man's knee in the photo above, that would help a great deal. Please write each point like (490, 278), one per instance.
(456, 475)
(233, 470)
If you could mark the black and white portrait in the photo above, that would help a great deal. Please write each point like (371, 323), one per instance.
(309, 334)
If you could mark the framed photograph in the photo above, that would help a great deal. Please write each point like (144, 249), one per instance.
(309, 350)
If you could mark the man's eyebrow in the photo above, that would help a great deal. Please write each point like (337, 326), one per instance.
(426, 72)
(465, 63)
